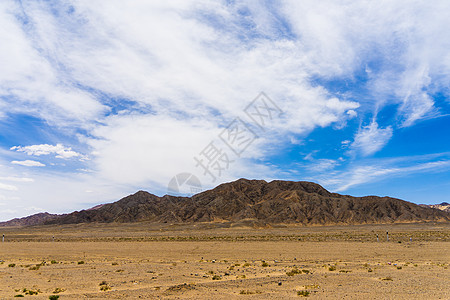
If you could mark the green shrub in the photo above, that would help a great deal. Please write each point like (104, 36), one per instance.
(81, 262)
(11, 265)
(248, 292)
(104, 286)
(31, 292)
(293, 272)
(344, 271)
(331, 268)
(58, 290)
(304, 293)
(53, 297)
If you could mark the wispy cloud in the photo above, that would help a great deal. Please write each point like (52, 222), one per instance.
(28, 163)
(385, 169)
(17, 179)
(371, 139)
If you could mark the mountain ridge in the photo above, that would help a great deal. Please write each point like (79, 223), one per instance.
(274, 202)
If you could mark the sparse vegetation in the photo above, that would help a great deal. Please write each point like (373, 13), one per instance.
(58, 290)
(331, 268)
(149, 265)
(53, 297)
(31, 292)
(11, 265)
(35, 268)
(293, 272)
(303, 293)
(104, 286)
(248, 292)
(311, 286)
(264, 264)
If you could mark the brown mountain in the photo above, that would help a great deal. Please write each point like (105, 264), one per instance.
(273, 202)
(36, 219)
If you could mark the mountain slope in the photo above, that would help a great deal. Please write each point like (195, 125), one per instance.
(273, 202)
(36, 219)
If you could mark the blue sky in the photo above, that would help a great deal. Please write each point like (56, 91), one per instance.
(101, 99)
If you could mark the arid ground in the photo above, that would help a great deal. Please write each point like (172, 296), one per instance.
(221, 261)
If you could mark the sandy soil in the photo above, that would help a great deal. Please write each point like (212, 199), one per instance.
(282, 263)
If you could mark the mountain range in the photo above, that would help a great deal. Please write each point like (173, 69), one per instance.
(445, 206)
(272, 202)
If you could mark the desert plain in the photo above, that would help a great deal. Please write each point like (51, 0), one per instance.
(226, 261)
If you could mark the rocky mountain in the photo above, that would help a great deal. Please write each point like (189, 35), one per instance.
(265, 202)
(36, 219)
(445, 206)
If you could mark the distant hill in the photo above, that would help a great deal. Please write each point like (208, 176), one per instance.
(242, 200)
(36, 219)
(443, 206)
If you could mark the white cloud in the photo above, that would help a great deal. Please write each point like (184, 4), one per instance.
(28, 163)
(371, 139)
(34, 209)
(7, 187)
(322, 165)
(45, 149)
(17, 179)
(31, 76)
(139, 149)
(403, 48)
